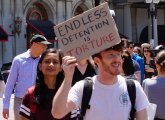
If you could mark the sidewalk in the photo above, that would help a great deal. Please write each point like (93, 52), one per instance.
(11, 114)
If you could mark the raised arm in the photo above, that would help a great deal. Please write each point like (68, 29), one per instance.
(61, 106)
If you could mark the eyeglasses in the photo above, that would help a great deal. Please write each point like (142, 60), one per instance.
(110, 56)
(146, 50)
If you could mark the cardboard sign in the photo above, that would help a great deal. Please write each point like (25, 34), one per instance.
(88, 33)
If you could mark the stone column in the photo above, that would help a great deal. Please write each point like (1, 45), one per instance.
(7, 24)
(60, 8)
(127, 21)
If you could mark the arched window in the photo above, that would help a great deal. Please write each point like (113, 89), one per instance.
(37, 12)
(80, 9)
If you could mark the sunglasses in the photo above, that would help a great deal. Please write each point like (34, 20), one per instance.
(146, 50)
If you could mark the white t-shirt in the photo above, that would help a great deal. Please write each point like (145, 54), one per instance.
(109, 102)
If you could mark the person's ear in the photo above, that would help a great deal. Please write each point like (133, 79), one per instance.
(96, 60)
(33, 44)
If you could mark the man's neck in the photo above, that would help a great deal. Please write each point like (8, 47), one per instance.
(33, 54)
(107, 79)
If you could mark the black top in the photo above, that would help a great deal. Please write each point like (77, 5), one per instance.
(90, 72)
(152, 65)
(40, 112)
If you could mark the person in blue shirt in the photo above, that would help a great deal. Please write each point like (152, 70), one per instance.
(137, 58)
(23, 74)
(141, 64)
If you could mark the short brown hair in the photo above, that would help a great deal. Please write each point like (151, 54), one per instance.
(117, 47)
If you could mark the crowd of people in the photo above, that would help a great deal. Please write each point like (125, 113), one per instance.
(50, 86)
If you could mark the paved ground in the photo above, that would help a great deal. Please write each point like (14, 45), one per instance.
(11, 109)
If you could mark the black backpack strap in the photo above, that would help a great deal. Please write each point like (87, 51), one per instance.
(87, 92)
(132, 94)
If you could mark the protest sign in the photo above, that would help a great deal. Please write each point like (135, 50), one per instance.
(87, 33)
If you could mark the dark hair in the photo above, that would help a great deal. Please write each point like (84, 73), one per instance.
(158, 49)
(149, 50)
(160, 60)
(40, 91)
(139, 51)
(127, 66)
(118, 47)
(130, 44)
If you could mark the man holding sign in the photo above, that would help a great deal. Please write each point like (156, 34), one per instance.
(109, 98)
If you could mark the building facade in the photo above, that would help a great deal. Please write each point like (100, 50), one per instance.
(134, 20)
(20, 19)
(23, 18)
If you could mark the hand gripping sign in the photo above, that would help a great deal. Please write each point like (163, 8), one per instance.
(87, 33)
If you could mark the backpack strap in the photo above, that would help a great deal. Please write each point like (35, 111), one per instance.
(132, 95)
(87, 92)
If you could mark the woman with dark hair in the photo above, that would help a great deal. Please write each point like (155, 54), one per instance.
(150, 68)
(128, 66)
(85, 68)
(155, 87)
(37, 103)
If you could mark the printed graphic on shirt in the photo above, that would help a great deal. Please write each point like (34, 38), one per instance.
(123, 98)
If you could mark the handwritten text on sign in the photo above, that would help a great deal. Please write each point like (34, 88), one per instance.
(88, 33)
